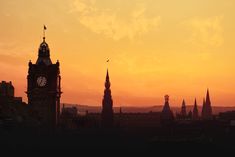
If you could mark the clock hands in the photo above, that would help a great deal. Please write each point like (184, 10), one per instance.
(40, 83)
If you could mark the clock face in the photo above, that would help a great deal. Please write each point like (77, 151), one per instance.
(41, 81)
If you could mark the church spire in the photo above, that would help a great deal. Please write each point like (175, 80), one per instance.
(195, 110)
(204, 101)
(107, 104)
(203, 108)
(208, 101)
(183, 109)
(107, 82)
(207, 109)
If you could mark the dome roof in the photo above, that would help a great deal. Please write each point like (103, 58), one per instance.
(44, 50)
(44, 53)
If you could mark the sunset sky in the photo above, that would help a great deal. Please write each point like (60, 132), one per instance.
(155, 47)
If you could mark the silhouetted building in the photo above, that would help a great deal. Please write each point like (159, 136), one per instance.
(195, 115)
(69, 112)
(227, 117)
(120, 110)
(44, 89)
(137, 120)
(183, 113)
(69, 117)
(206, 108)
(166, 114)
(7, 89)
(190, 115)
(107, 105)
(203, 107)
(183, 109)
(11, 107)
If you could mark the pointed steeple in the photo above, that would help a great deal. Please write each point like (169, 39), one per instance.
(107, 104)
(204, 102)
(208, 101)
(195, 110)
(107, 82)
(183, 109)
(207, 109)
(203, 108)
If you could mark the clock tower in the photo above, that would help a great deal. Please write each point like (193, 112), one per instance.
(43, 88)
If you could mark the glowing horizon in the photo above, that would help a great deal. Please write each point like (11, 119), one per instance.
(155, 48)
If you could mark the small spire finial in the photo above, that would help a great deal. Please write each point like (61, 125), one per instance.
(107, 73)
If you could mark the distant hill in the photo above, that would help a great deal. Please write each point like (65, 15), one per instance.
(133, 109)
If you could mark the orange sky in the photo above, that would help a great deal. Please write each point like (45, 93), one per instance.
(156, 47)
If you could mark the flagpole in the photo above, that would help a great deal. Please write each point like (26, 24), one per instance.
(107, 62)
(43, 31)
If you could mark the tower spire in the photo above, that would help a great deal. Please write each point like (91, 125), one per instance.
(107, 104)
(107, 82)
(183, 109)
(207, 109)
(208, 101)
(204, 102)
(195, 110)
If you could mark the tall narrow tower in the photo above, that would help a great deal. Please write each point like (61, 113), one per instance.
(166, 114)
(203, 108)
(43, 88)
(195, 111)
(107, 104)
(207, 109)
(183, 109)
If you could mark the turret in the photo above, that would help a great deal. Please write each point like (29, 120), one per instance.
(166, 114)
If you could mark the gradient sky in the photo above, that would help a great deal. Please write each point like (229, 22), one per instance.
(156, 47)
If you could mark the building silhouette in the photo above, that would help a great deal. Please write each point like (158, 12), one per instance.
(183, 115)
(11, 108)
(7, 92)
(43, 88)
(195, 115)
(203, 107)
(107, 105)
(166, 114)
(183, 109)
(7, 89)
(206, 108)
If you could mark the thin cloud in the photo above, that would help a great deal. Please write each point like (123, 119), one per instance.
(206, 32)
(109, 23)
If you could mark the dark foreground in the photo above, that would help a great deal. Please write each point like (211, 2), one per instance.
(134, 140)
